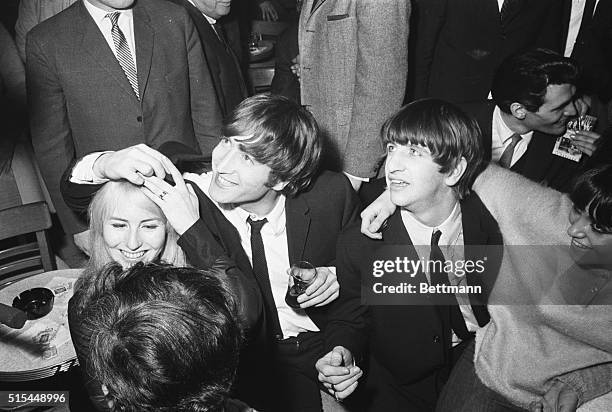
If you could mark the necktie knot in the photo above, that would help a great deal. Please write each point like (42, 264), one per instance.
(256, 225)
(113, 17)
(435, 237)
(506, 158)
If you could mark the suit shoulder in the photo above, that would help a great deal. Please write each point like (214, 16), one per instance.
(164, 8)
(474, 204)
(328, 181)
(65, 21)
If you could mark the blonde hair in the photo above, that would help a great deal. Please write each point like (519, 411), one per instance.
(104, 204)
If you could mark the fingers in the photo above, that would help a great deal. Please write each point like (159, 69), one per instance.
(585, 141)
(340, 395)
(371, 224)
(322, 291)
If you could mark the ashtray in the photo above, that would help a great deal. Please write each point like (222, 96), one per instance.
(35, 302)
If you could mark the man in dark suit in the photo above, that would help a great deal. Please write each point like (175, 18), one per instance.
(222, 60)
(534, 97)
(588, 40)
(108, 74)
(458, 44)
(264, 204)
(434, 153)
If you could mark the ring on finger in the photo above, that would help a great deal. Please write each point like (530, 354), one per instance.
(162, 194)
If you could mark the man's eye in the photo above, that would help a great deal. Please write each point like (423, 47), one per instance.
(224, 140)
(390, 148)
(414, 151)
(247, 158)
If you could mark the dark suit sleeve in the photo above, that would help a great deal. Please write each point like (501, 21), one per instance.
(347, 324)
(205, 111)
(49, 126)
(77, 196)
(429, 22)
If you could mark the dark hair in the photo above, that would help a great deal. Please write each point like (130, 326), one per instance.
(163, 338)
(446, 131)
(285, 137)
(524, 77)
(593, 193)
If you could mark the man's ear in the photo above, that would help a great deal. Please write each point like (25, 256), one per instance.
(279, 186)
(454, 175)
(518, 110)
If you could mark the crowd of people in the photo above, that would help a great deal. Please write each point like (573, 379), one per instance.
(445, 169)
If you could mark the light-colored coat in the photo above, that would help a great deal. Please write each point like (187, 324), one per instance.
(354, 64)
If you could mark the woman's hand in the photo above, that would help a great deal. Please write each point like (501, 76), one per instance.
(179, 203)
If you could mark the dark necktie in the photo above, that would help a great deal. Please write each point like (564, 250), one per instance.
(506, 158)
(587, 17)
(124, 55)
(221, 35)
(508, 9)
(441, 278)
(260, 268)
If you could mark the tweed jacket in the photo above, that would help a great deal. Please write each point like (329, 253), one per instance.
(354, 63)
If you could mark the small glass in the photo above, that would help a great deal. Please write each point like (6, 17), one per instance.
(301, 275)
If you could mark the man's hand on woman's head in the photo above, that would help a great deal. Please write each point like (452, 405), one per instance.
(131, 164)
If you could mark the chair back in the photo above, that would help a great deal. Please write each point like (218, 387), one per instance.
(31, 257)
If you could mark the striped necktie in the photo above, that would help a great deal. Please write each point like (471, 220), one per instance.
(124, 55)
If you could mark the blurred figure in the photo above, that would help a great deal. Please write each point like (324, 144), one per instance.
(459, 44)
(278, 10)
(353, 67)
(588, 40)
(158, 338)
(285, 82)
(555, 352)
(32, 12)
(223, 62)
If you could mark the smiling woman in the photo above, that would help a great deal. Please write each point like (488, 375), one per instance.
(126, 227)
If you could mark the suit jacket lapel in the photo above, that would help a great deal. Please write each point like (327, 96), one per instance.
(298, 224)
(396, 234)
(144, 38)
(96, 47)
(475, 240)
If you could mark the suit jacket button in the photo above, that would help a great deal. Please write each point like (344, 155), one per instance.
(139, 119)
(436, 339)
(278, 336)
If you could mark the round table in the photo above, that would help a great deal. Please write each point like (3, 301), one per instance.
(15, 364)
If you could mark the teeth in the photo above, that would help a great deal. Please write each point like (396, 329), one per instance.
(223, 181)
(133, 255)
(579, 245)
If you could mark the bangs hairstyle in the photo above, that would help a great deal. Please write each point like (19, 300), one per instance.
(163, 338)
(285, 137)
(104, 203)
(446, 131)
(592, 193)
(523, 78)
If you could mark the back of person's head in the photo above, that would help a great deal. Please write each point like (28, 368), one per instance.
(163, 338)
(446, 131)
(523, 78)
(592, 193)
(106, 202)
(282, 135)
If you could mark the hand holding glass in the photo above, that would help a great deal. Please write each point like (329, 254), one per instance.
(301, 275)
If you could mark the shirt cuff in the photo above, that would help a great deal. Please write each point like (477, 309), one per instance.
(82, 172)
(363, 179)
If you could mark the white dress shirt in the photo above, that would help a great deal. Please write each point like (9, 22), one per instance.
(451, 244)
(274, 236)
(125, 23)
(501, 137)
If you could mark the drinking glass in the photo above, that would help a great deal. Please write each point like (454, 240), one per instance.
(301, 275)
